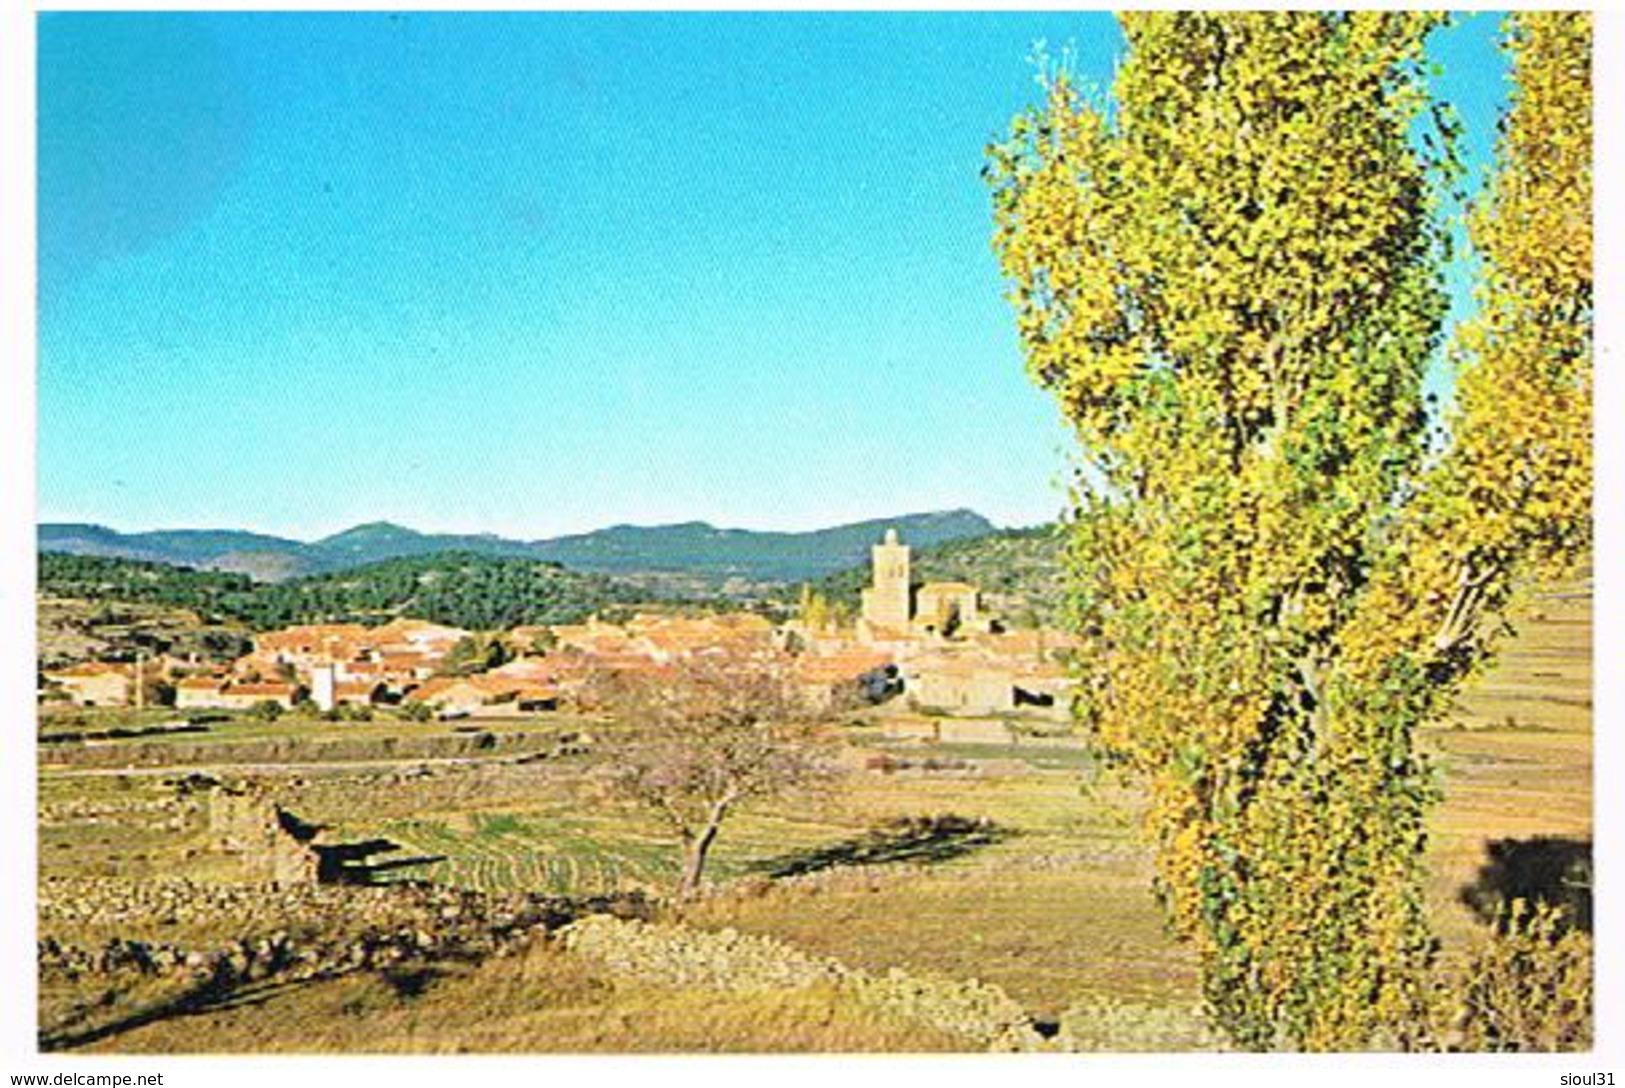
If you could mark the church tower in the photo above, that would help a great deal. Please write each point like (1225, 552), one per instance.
(887, 602)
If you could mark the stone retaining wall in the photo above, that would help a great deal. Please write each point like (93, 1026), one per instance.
(296, 749)
(676, 955)
(70, 904)
(322, 932)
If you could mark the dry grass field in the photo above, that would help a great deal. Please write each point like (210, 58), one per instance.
(1039, 886)
(542, 1000)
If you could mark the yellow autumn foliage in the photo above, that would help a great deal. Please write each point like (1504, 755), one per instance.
(1230, 280)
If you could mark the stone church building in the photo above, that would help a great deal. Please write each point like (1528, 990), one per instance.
(894, 610)
(951, 653)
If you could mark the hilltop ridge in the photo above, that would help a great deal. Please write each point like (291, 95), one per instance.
(694, 548)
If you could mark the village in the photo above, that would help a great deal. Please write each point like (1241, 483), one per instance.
(931, 646)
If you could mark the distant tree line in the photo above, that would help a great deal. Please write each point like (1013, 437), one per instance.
(457, 588)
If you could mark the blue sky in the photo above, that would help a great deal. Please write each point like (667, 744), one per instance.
(540, 273)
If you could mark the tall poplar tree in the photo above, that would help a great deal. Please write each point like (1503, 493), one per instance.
(1230, 279)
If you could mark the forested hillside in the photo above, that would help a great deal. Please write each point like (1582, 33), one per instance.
(457, 588)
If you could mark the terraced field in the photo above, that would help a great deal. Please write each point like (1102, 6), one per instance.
(532, 853)
(1542, 679)
(1516, 764)
(543, 850)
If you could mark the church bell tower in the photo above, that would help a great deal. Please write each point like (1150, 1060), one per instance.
(887, 602)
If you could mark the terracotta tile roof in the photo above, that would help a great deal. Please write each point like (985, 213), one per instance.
(415, 632)
(527, 668)
(270, 691)
(479, 687)
(311, 634)
(599, 641)
(835, 668)
(405, 660)
(668, 641)
(634, 663)
(529, 692)
(91, 668)
(429, 689)
(746, 621)
(571, 664)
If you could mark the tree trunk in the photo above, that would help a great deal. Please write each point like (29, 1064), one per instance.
(694, 854)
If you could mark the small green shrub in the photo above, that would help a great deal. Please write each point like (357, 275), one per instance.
(267, 710)
(1529, 988)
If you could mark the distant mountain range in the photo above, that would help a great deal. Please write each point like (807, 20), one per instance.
(692, 548)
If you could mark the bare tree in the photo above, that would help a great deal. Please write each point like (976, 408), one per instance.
(706, 735)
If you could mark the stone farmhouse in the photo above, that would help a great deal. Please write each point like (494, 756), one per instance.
(94, 683)
(217, 691)
(486, 694)
(845, 671)
(975, 682)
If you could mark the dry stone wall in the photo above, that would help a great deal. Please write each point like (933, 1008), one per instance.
(70, 904)
(675, 955)
(1103, 1024)
(320, 931)
(293, 932)
(299, 749)
(249, 825)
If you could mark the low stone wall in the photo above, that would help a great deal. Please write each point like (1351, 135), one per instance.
(78, 736)
(676, 955)
(1103, 1024)
(321, 912)
(296, 749)
(302, 933)
(170, 814)
(322, 931)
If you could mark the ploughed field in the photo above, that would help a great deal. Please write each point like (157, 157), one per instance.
(1516, 768)
(964, 876)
